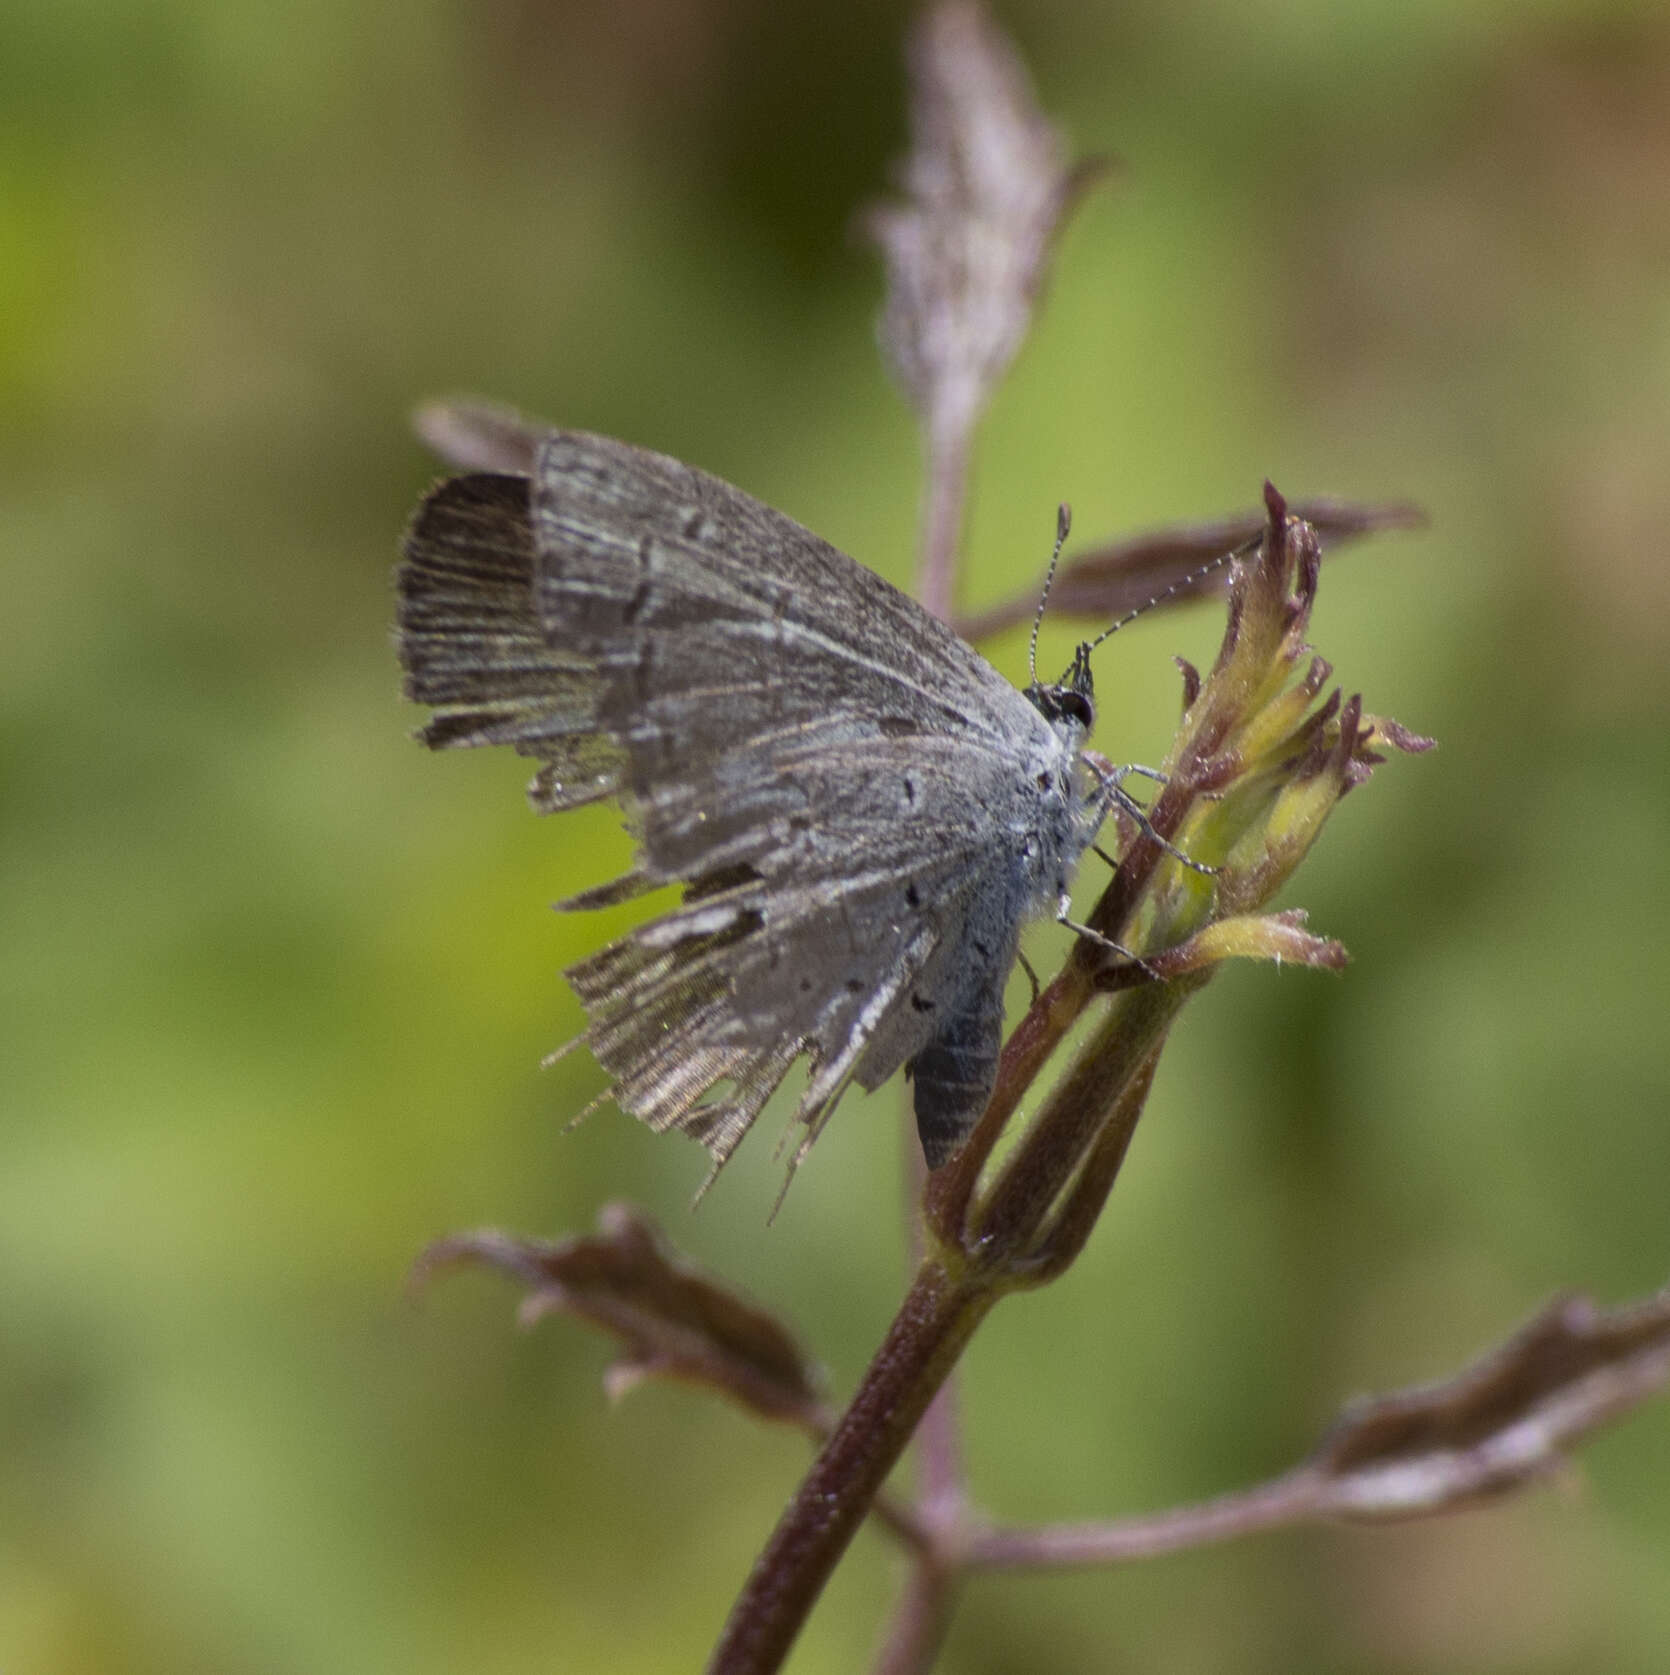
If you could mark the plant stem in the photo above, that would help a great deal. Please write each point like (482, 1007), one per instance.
(942, 517)
(920, 1621)
(941, 1496)
(1016, 1211)
(1291, 1499)
(935, 1322)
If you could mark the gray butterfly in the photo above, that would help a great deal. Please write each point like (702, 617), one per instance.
(861, 811)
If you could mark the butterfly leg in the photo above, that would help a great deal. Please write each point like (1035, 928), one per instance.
(1111, 778)
(1129, 955)
(1031, 975)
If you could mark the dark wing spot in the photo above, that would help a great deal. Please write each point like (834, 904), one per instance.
(910, 791)
(913, 896)
(920, 1004)
(898, 727)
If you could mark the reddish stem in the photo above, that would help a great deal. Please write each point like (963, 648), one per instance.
(927, 1335)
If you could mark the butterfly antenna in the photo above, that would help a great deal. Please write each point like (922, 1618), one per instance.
(1063, 523)
(1198, 574)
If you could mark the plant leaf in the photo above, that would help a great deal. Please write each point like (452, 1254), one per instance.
(671, 1320)
(1122, 576)
(1278, 937)
(1508, 1418)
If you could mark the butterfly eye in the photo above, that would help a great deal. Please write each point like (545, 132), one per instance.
(1078, 708)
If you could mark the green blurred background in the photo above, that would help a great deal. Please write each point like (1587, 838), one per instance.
(275, 983)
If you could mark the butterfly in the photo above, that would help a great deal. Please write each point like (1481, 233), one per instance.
(859, 811)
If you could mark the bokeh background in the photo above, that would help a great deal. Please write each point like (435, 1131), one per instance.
(274, 983)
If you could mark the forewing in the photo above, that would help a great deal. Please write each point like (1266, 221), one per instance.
(634, 544)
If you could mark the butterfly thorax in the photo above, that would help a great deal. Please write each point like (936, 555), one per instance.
(1067, 812)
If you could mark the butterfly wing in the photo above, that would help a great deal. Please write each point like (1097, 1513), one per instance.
(816, 760)
(473, 649)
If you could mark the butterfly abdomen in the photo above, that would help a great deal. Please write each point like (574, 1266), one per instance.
(955, 1072)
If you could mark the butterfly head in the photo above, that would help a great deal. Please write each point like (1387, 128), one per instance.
(1069, 704)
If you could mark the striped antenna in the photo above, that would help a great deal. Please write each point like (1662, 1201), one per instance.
(1199, 573)
(1063, 523)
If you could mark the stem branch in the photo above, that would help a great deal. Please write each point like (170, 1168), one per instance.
(1290, 1499)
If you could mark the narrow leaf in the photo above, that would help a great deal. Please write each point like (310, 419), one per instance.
(671, 1320)
(1122, 576)
(1508, 1418)
(1280, 937)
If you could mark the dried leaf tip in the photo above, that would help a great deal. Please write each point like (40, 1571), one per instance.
(986, 186)
(475, 435)
(671, 1320)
